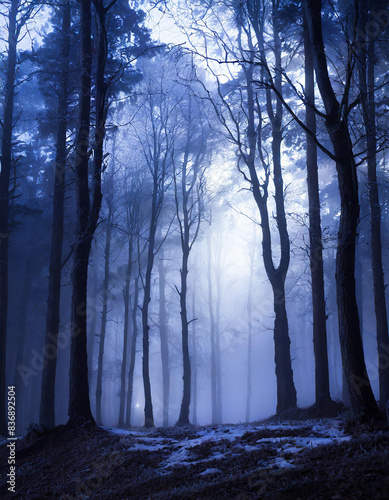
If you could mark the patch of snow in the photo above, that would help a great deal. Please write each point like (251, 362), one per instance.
(210, 471)
(319, 433)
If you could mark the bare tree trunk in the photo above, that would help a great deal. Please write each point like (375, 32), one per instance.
(92, 330)
(183, 419)
(361, 394)
(213, 343)
(322, 382)
(366, 59)
(79, 403)
(286, 391)
(47, 404)
(149, 418)
(194, 357)
(218, 293)
(6, 160)
(249, 331)
(164, 341)
(21, 340)
(100, 361)
(133, 352)
(126, 330)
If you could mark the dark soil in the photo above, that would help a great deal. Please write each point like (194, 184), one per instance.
(94, 463)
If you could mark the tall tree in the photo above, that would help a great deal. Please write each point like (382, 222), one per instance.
(104, 314)
(250, 326)
(126, 330)
(18, 14)
(163, 333)
(189, 184)
(47, 406)
(367, 87)
(286, 392)
(322, 382)
(336, 119)
(87, 217)
(155, 139)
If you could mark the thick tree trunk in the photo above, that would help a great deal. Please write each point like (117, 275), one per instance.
(286, 392)
(126, 329)
(322, 383)
(164, 342)
(366, 59)
(6, 160)
(79, 404)
(47, 405)
(133, 352)
(361, 394)
(100, 360)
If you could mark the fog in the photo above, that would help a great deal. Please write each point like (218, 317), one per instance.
(188, 167)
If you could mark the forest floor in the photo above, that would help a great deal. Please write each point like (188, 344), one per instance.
(317, 458)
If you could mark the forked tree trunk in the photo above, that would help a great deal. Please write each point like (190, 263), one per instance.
(286, 391)
(322, 383)
(361, 394)
(47, 403)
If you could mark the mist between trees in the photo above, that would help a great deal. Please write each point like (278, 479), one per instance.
(193, 210)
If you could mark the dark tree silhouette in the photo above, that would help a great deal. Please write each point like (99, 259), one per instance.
(361, 394)
(47, 406)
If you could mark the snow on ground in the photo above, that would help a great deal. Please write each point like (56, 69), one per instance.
(190, 446)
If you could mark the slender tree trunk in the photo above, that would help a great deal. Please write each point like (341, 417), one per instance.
(164, 341)
(361, 394)
(100, 361)
(126, 296)
(149, 418)
(249, 332)
(133, 352)
(6, 160)
(366, 59)
(213, 343)
(21, 340)
(322, 382)
(194, 357)
(92, 330)
(359, 282)
(79, 403)
(47, 405)
(183, 419)
(218, 293)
